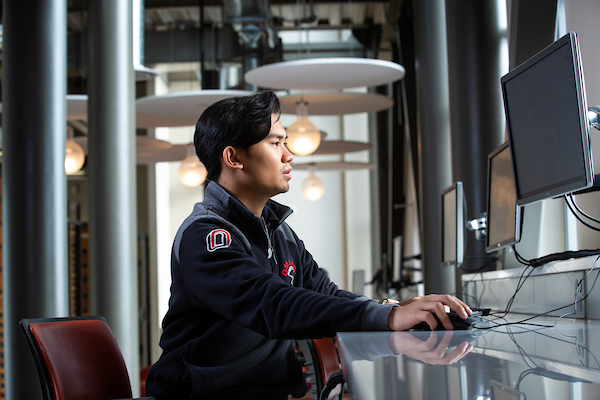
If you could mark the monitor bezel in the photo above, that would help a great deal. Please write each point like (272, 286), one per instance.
(492, 247)
(565, 187)
(460, 224)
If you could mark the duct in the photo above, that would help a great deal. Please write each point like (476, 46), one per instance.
(248, 19)
(258, 36)
(175, 46)
(241, 12)
(142, 73)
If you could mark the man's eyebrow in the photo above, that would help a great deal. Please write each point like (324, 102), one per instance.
(277, 135)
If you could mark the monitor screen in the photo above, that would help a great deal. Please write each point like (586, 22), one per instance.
(548, 130)
(453, 225)
(397, 256)
(358, 282)
(503, 227)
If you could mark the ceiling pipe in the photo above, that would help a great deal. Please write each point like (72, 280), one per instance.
(142, 73)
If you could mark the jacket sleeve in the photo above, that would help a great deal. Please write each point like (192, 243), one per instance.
(231, 283)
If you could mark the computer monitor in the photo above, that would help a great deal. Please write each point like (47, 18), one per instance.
(358, 282)
(397, 259)
(503, 227)
(548, 130)
(453, 225)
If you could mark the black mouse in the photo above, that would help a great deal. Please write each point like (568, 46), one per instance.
(457, 322)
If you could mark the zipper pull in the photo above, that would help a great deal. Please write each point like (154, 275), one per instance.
(269, 247)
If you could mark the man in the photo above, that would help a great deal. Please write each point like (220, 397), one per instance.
(243, 285)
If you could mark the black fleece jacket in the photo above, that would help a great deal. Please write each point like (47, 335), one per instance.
(242, 288)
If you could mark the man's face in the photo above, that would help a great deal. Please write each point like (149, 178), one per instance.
(267, 163)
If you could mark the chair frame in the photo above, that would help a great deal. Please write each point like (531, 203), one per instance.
(320, 355)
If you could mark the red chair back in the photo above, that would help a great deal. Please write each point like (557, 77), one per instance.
(77, 358)
(328, 357)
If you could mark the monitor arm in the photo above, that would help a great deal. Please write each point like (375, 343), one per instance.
(594, 116)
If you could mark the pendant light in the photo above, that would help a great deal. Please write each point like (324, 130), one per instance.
(74, 154)
(313, 187)
(303, 136)
(192, 172)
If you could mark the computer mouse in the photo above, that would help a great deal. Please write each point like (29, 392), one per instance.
(457, 322)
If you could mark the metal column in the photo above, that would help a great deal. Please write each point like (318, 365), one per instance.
(433, 137)
(476, 32)
(34, 196)
(113, 228)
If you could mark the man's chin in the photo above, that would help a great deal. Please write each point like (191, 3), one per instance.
(282, 190)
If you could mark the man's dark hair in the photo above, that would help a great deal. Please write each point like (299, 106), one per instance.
(239, 122)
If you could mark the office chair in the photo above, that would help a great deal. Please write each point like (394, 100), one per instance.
(323, 364)
(77, 358)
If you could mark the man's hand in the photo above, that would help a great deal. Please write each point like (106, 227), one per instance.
(421, 309)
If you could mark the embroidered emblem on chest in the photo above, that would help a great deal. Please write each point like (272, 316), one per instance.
(289, 269)
(218, 239)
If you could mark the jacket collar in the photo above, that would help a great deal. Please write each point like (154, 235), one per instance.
(219, 200)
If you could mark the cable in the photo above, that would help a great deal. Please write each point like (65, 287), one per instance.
(519, 257)
(579, 217)
(565, 255)
(586, 215)
(520, 284)
(524, 321)
(482, 290)
(577, 288)
(464, 289)
(521, 351)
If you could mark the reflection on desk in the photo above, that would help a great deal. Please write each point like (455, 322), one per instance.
(510, 362)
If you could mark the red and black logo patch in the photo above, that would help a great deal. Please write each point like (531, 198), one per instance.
(218, 239)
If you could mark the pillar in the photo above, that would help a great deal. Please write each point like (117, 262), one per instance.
(477, 59)
(34, 195)
(112, 175)
(433, 137)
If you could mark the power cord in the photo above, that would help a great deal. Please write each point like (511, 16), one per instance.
(573, 207)
(565, 255)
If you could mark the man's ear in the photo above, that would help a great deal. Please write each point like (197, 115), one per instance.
(231, 157)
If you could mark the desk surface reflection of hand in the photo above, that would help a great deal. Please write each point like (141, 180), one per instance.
(536, 361)
(437, 349)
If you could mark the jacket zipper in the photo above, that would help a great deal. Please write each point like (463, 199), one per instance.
(270, 249)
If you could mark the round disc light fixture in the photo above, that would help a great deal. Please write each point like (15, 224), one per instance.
(325, 73)
(178, 108)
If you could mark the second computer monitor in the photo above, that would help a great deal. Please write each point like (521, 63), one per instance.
(503, 227)
(453, 225)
